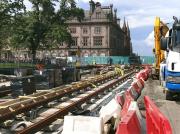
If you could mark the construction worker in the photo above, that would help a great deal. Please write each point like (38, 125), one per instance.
(94, 62)
(122, 69)
(118, 70)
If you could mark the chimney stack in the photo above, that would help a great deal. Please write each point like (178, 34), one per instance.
(98, 4)
(115, 14)
(92, 6)
(111, 11)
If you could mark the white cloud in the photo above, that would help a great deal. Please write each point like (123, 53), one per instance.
(149, 41)
(142, 12)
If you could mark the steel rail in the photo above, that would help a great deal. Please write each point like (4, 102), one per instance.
(28, 104)
(4, 91)
(63, 111)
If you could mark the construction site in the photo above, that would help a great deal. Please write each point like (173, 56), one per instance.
(98, 84)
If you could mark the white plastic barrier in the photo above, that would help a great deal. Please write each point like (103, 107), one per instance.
(112, 109)
(82, 125)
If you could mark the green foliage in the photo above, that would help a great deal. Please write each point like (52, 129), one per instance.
(41, 27)
(8, 14)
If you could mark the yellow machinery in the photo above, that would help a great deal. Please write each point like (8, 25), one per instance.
(160, 30)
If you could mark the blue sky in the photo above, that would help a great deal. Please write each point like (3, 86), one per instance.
(140, 15)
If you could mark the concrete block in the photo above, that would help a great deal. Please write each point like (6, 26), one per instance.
(112, 109)
(82, 125)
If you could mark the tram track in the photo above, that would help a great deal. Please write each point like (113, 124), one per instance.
(77, 93)
(69, 105)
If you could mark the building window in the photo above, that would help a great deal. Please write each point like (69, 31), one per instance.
(97, 30)
(97, 41)
(98, 15)
(85, 41)
(72, 30)
(85, 30)
(75, 41)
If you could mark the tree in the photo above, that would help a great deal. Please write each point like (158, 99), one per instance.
(43, 27)
(9, 10)
(68, 10)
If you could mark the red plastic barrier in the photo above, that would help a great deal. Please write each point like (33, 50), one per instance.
(126, 104)
(141, 75)
(129, 124)
(144, 75)
(142, 82)
(138, 75)
(147, 72)
(134, 94)
(136, 87)
(120, 98)
(156, 122)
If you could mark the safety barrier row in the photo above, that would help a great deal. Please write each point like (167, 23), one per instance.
(129, 124)
(133, 92)
(144, 74)
(156, 122)
(131, 119)
(130, 115)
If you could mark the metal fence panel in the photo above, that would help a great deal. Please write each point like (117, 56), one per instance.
(115, 60)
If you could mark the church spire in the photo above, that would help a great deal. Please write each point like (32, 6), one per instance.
(124, 28)
(128, 30)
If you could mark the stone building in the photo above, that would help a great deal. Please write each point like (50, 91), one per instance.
(98, 34)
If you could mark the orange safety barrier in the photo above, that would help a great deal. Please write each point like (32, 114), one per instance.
(129, 124)
(156, 122)
(126, 103)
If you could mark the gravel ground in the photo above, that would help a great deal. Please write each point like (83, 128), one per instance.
(153, 90)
